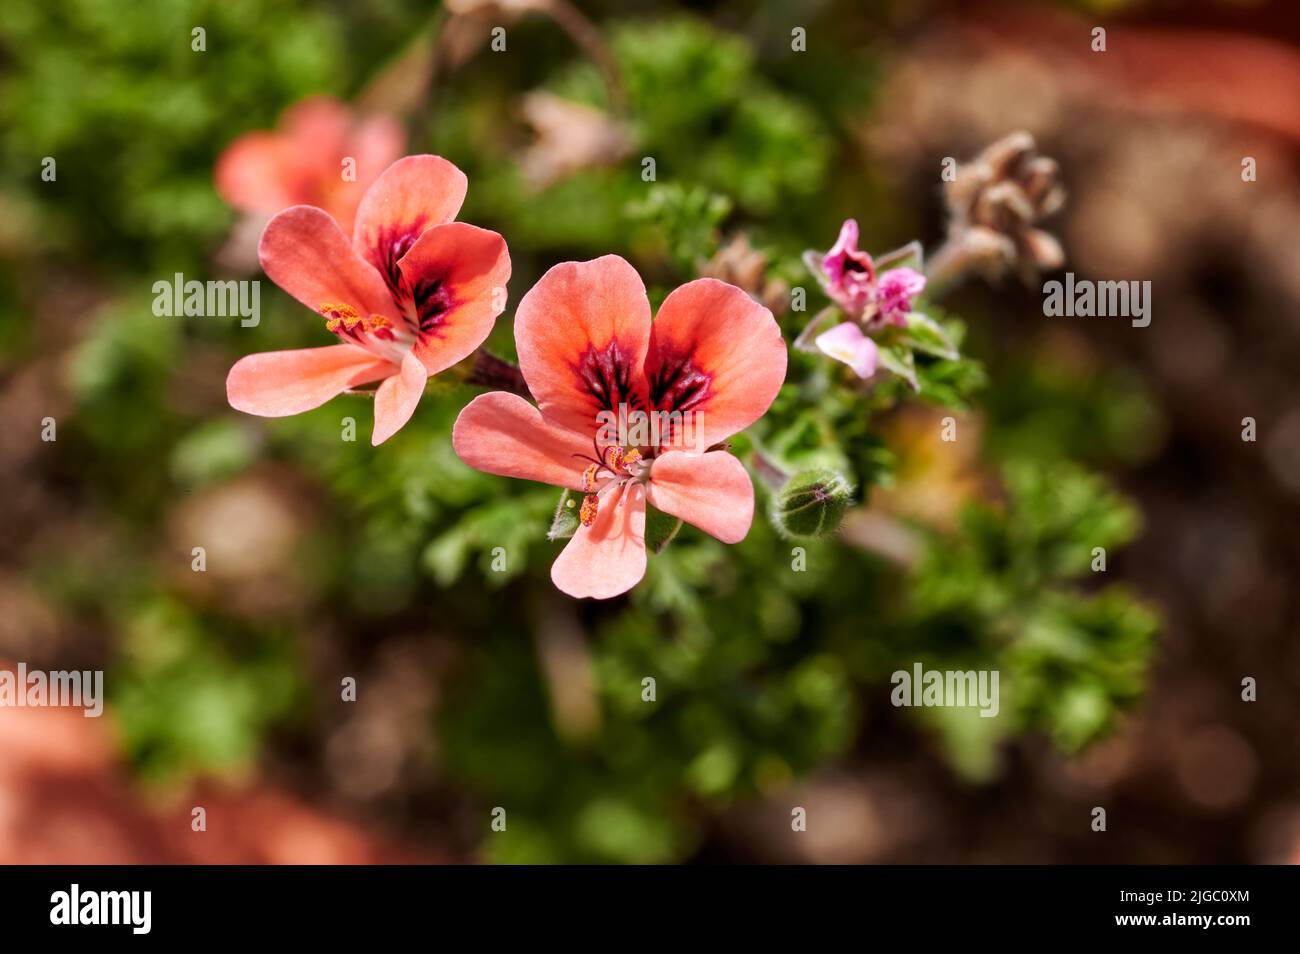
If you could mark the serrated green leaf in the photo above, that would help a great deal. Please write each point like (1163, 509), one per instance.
(927, 335)
(897, 358)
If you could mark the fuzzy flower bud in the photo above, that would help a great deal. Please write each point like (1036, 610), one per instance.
(811, 504)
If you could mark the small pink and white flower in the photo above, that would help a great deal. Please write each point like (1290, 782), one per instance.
(411, 294)
(852, 282)
(587, 346)
(871, 299)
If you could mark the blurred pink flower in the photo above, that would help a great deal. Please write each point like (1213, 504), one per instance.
(850, 273)
(410, 295)
(852, 283)
(587, 347)
(847, 343)
(301, 162)
(894, 293)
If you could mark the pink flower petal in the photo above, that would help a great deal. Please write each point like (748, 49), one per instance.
(711, 491)
(850, 273)
(846, 342)
(458, 273)
(608, 558)
(902, 283)
(304, 252)
(397, 397)
(896, 289)
(717, 353)
(280, 383)
(845, 256)
(255, 174)
(581, 333)
(376, 144)
(501, 433)
(317, 125)
(847, 241)
(413, 194)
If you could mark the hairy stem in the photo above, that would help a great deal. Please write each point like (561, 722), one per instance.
(587, 37)
(489, 371)
(948, 266)
(768, 470)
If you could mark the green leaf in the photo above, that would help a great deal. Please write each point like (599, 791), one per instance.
(927, 335)
(908, 256)
(812, 260)
(898, 359)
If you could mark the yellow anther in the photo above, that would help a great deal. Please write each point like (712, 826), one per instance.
(631, 459)
(338, 315)
(589, 478)
(588, 512)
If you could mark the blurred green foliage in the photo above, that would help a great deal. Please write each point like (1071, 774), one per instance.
(769, 661)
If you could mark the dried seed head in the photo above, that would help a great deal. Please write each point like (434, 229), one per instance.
(995, 203)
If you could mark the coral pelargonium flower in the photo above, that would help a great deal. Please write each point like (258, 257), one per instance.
(588, 351)
(411, 294)
(302, 161)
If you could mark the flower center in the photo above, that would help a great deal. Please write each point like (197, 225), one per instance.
(377, 333)
(614, 467)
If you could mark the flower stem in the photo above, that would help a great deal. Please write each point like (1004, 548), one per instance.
(587, 37)
(768, 470)
(489, 371)
(948, 266)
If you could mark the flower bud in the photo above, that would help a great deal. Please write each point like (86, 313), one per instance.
(811, 504)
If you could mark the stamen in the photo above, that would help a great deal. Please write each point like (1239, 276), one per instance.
(589, 477)
(614, 457)
(588, 512)
(632, 460)
(338, 315)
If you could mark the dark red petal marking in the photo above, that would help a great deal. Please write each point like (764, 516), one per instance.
(391, 246)
(432, 299)
(676, 384)
(606, 374)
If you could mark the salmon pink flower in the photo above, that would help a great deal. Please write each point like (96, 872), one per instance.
(411, 294)
(301, 162)
(588, 350)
